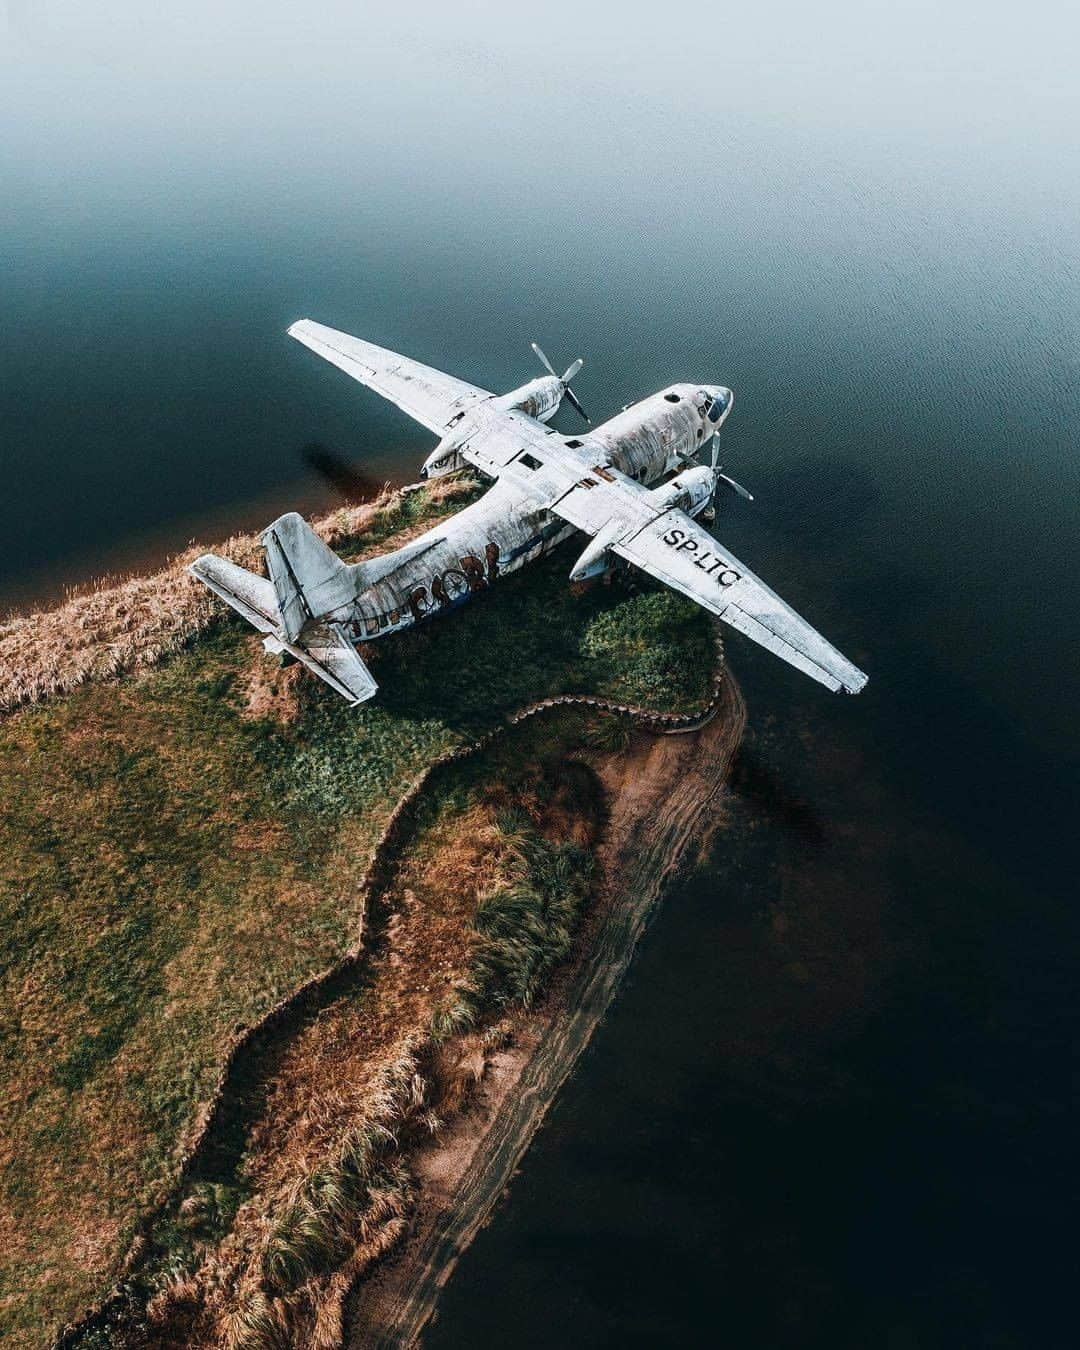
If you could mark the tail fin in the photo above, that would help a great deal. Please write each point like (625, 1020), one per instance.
(308, 577)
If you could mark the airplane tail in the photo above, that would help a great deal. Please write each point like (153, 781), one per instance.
(250, 595)
(307, 581)
(308, 577)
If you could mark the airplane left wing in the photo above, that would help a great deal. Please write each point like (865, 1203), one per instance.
(677, 551)
(433, 399)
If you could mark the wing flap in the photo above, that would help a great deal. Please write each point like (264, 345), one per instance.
(428, 396)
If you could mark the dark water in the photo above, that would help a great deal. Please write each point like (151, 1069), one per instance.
(833, 1106)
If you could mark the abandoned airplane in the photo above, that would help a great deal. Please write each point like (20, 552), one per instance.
(317, 608)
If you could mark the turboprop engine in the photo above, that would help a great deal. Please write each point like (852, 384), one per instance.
(690, 491)
(539, 399)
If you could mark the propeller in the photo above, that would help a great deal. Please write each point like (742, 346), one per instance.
(564, 379)
(735, 487)
(722, 477)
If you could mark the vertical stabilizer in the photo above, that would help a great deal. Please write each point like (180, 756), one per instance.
(309, 579)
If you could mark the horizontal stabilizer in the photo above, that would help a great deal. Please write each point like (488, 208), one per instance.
(250, 595)
(334, 659)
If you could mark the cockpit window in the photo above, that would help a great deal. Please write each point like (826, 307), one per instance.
(716, 409)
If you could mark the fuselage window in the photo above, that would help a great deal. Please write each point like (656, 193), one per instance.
(672, 398)
(531, 462)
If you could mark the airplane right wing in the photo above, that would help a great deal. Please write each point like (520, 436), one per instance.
(676, 550)
(433, 399)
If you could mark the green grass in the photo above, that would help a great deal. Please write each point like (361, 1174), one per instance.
(526, 926)
(172, 868)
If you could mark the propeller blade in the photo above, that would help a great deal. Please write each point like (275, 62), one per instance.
(572, 370)
(574, 400)
(543, 359)
(735, 487)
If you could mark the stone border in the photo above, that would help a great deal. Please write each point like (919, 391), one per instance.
(375, 877)
(667, 724)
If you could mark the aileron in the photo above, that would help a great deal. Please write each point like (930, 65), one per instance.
(428, 396)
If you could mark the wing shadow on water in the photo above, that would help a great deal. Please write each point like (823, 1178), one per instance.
(334, 469)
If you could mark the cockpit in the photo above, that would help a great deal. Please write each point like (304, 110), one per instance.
(717, 402)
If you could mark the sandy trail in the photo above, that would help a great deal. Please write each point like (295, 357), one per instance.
(665, 796)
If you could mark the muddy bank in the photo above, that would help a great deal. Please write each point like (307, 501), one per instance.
(666, 800)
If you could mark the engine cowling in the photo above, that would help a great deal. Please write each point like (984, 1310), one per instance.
(689, 491)
(540, 398)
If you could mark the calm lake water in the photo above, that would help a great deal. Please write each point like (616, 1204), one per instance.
(833, 1105)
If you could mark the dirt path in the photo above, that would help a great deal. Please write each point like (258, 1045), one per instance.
(665, 797)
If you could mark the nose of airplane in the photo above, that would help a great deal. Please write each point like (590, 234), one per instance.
(722, 400)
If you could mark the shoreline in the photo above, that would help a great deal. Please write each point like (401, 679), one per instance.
(657, 803)
(126, 630)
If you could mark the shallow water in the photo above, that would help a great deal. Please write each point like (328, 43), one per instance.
(832, 1106)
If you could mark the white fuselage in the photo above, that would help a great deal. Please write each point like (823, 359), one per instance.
(532, 465)
(631, 487)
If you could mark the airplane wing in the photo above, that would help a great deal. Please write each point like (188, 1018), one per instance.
(427, 395)
(675, 549)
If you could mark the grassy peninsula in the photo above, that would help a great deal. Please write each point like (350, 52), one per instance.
(185, 829)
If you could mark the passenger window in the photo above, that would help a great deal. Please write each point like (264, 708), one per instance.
(531, 462)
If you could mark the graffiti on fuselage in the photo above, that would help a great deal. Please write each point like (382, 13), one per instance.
(472, 574)
(454, 584)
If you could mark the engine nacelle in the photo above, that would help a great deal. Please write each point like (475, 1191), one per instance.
(690, 491)
(540, 398)
(594, 561)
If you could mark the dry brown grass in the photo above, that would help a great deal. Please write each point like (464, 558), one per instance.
(121, 625)
(174, 868)
(156, 893)
(364, 1078)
